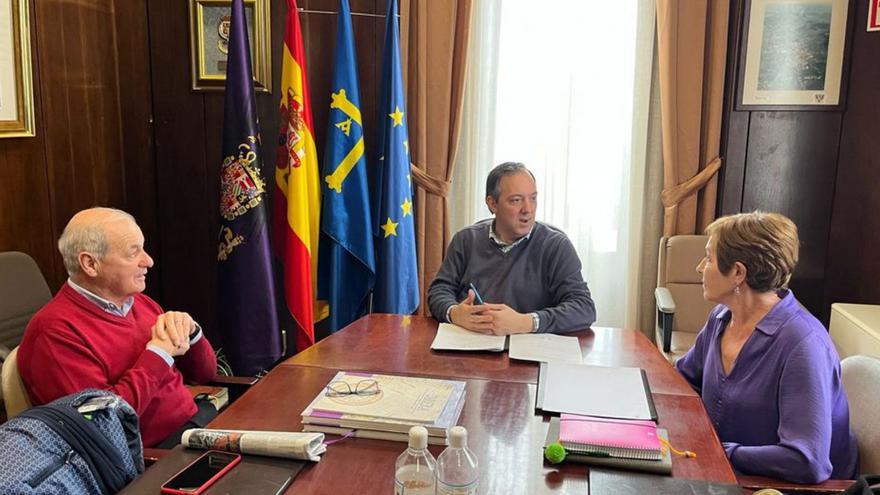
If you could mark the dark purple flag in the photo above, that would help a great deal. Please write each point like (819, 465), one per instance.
(248, 318)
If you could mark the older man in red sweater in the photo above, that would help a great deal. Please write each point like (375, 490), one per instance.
(100, 331)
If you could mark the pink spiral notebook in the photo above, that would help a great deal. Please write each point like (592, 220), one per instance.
(590, 435)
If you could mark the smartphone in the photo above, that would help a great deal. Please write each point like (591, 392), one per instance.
(201, 473)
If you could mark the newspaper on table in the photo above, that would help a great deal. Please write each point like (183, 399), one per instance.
(290, 445)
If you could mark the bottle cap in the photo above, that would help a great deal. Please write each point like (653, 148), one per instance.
(458, 437)
(418, 438)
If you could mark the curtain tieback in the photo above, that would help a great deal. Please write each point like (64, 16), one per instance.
(674, 195)
(429, 183)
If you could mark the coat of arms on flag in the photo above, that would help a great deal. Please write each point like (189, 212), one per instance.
(241, 187)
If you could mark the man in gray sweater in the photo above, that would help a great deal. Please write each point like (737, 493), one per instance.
(527, 272)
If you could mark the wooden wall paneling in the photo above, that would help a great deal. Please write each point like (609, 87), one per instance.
(729, 196)
(186, 219)
(132, 47)
(733, 173)
(213, 105)
(80, 98)
(25, 209)
(790, 169)
(853, 265)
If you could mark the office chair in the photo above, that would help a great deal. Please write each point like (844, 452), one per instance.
(23, 291)
(681, 309)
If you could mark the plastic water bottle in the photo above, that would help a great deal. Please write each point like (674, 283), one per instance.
(457, 466)
(414, 470)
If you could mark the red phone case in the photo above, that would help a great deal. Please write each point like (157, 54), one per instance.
(210, 481)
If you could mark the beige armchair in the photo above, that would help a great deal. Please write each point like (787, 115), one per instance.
(681, 309)
(15, 396)
(861, 380)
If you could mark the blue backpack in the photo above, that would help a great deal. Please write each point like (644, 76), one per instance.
(84, 443)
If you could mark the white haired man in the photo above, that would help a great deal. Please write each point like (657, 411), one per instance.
(100, 331)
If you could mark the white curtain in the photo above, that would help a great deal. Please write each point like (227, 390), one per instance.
(563, 86)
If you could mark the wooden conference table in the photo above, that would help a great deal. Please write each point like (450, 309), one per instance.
(504, 431)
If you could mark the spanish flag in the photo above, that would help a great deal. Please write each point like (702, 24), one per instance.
(297, 206)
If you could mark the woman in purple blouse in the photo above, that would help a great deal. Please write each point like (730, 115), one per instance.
(766, 369)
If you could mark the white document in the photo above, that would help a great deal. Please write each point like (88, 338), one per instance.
(454, 338)
(606, 391)
(546, 347)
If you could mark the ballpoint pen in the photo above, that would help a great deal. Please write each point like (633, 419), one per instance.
(477, 299)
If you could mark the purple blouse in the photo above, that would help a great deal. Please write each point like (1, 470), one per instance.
(782, 411)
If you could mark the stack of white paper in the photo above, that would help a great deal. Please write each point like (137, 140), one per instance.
(454, 338)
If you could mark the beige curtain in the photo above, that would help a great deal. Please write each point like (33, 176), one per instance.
(652, 214)
(434, 38)
(692, 52)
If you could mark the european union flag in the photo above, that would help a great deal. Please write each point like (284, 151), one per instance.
(346, 262)
(397, 279)
(248, 318)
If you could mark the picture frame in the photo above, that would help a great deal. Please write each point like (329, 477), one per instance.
(873, 15)
(16, 71)
(793, 54)
(209, 35)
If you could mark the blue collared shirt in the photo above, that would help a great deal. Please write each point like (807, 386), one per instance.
(122, 312)
(102, 303)
(782, 410)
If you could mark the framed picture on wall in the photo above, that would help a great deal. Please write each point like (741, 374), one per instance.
(16, 76)
(793, 55)
(873, 15)
(210, 22)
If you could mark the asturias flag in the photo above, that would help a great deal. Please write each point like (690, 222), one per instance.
(248, 317)
(397, 280)
(297, 193)
(347, 268)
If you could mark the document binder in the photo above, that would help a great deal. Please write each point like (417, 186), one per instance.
(601, 391)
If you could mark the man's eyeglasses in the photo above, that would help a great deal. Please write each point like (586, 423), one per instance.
(341, 388)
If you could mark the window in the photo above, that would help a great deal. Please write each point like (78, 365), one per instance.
(562, 87)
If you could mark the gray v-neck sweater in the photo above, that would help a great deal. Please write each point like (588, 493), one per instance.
(541, 274)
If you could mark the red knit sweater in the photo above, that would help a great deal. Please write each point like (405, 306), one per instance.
(72, 344)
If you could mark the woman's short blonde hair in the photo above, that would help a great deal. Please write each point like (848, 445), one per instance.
(766, 243)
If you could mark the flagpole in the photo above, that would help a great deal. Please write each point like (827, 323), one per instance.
(362, 14)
